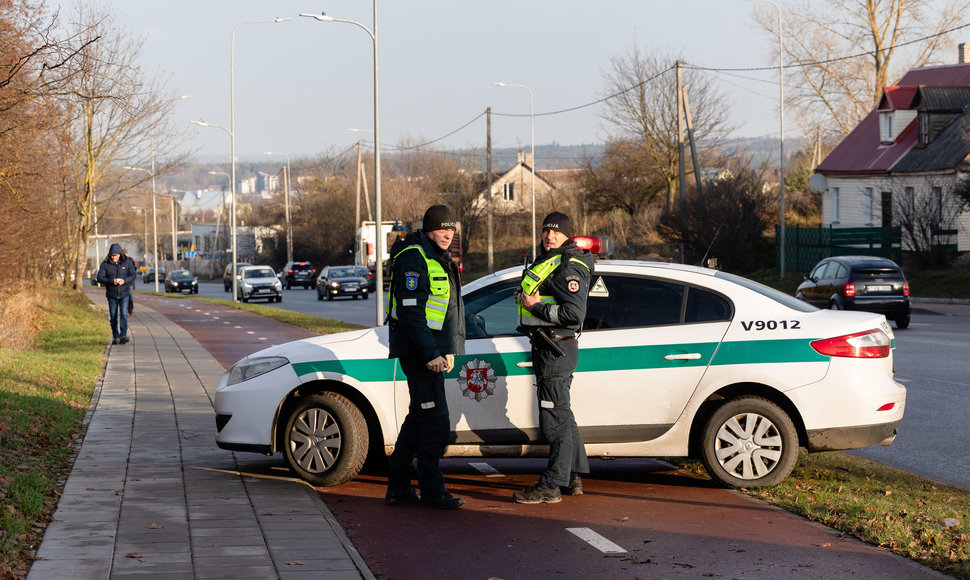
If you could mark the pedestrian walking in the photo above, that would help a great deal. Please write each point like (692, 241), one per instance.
(117, 274)
(427, 329)
(552, 307)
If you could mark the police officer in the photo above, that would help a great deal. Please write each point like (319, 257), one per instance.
(427, 330)
(552, 306)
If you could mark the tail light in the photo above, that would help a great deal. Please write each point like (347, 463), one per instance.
(869, 344)
(849, 290)
(905, 288)
(596, 245)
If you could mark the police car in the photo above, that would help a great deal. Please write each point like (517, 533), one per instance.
(674, 361)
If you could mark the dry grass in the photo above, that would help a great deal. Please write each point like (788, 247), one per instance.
(19, 315)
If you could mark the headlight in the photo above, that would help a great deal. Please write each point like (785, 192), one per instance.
(194, 282)
(251, 368)
(277, 285)
(247, 285)
(335, 284)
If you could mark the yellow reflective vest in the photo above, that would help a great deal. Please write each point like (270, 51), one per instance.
(437, 306)
(533, 278)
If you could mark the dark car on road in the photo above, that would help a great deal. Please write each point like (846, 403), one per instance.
(227, 275)
(337, 281)
(149, 275)
(180, 280)
(868, 283)
(371, 279)
(298, 274)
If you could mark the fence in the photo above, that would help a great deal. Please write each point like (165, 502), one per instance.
(804, 247)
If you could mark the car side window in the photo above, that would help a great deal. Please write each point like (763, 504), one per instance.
(704, 306)
(492, 311)
(631, 302)
(840, 273)
(819, 271)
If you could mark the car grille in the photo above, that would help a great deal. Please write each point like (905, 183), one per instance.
(262, 288)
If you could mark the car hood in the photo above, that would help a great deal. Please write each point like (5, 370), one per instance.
(348, 279)
(369, 343)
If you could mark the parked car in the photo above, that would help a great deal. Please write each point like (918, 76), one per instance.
(674, 360)
(298, 274)
(149, 275)
(256, 282)
(867, 283)
(180, 280)
(335, 281)
(227, 275)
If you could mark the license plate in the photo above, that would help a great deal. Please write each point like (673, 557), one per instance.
(879, 288)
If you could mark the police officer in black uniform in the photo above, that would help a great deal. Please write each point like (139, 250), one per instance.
(427, 330)
(552, 306)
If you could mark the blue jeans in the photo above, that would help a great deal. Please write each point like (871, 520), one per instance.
(118, 311)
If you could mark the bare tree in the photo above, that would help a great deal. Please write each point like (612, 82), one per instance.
(842, 53)
(117, 118)
(642, 109)
(927, 216)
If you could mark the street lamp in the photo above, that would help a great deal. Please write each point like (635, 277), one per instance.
(286, 203)
(378, 242)
(781, 120)
(232, 134)
(154, 216)
(222, 209)
(532, 139)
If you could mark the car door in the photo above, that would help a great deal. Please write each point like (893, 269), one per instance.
(647, 344)
(814, 292)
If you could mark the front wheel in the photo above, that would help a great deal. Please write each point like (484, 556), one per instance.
(749, 442)
(326, 439)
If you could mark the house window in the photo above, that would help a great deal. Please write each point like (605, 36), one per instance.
(910, 201)
(835, 204)
(923, 125)
(886, 128)
(508, 192)
(869, 209)
(937, 201)
(887, 208)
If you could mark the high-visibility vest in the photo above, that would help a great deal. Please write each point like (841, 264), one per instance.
(533, 278)
(437, 305)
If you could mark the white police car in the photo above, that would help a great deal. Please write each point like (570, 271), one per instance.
(674, 361)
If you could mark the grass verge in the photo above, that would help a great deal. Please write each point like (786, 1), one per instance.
(45, 391)
(911, 516)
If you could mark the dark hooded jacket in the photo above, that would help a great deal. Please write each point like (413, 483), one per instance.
(569, 284)
(409, 334)
(123, 268)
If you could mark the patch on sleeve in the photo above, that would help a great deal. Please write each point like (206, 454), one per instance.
(411, 280)
(572, 283)
(409, 302)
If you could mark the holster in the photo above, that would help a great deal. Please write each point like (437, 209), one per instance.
(541, 336)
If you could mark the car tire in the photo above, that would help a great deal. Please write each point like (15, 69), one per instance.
(366, 296)
(902, 321)
(329, 296)
(749, 442)
(279, 299)
(325, 440)
(319, 296)
(833, 305)
(195, 290)
(244, 299)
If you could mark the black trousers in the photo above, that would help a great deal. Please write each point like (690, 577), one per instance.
(424, 433)
(554, 376)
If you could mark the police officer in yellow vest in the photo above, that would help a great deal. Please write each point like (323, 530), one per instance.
(552, 306)
(427, 329)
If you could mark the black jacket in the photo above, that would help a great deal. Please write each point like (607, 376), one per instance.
(123, 268)
(569, 285)
(409, 334)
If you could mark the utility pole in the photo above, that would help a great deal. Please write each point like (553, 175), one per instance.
(488, 190)
(357, 208)
(680, 163)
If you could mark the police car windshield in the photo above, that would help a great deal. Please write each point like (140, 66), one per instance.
(777, 296)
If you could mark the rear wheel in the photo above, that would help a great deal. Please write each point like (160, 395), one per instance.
(902, 321)
(834, 305)
(749, 442)
(326, 439)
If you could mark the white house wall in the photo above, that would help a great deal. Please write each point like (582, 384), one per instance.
(852, 200)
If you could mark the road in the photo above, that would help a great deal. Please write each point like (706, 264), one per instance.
(638, 518)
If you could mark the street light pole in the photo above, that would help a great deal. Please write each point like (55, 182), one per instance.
(781, 121)
(532, 140)
(378, 242)
(232, 136)
(286, 203)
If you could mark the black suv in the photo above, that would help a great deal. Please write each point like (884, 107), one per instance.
(866, 283)
(298, 274)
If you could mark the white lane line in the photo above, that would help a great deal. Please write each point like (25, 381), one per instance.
(263, 338)
(596, 540)
(486, 470)
(250, 331)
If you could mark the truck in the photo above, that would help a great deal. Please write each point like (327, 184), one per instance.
(365, 247)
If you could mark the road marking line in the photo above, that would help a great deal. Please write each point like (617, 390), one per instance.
(249, 331)
(263, 338)
(596, 540)
(486, 470)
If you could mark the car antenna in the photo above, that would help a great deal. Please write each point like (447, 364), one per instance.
(704, 259)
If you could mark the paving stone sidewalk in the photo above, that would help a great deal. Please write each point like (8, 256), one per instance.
(151, 495)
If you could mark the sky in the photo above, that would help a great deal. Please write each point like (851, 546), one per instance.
(302, 85)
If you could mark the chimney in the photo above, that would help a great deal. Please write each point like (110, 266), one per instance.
(963, 50)
(528, 160)
(521, 152)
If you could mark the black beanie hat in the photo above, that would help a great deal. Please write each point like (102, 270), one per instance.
(439, 217)
(560, 222)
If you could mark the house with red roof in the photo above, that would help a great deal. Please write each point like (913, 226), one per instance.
(900, 165)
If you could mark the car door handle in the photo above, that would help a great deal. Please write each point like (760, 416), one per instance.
(524, 364)
(684, 356)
